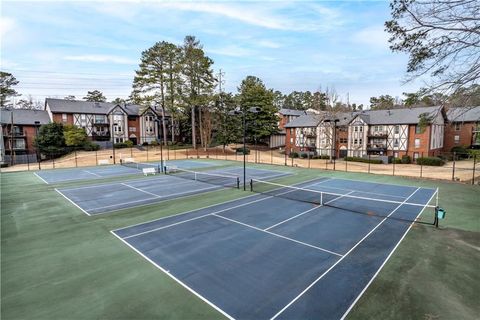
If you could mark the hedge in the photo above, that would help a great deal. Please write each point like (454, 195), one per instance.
(359, 159)
(240, 150)
(430, 161)
(293, 155)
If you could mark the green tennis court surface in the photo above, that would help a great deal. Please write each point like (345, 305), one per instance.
(59, 263)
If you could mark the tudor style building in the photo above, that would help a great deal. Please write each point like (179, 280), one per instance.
(104, 121)
(393, 132)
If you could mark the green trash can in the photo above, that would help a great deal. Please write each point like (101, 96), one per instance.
(440, 213)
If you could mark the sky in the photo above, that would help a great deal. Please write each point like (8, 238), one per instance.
(60, 48)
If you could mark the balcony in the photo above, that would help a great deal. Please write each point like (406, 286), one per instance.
(378, 135)
(16, 134)
(377, 147)
(310, 135)
(101, 136)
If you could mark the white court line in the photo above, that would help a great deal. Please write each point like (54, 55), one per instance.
(278, 235)
(202, 216)
(71, 201)
(40, 178)
(383, 264)
(92, 173)
(147, 199)
(153, 194)
(198, 209)
(195, 218)
(344, 256)
(375, 193)
(151, 179)
(174, 278)
(375, 182)
(302, 213)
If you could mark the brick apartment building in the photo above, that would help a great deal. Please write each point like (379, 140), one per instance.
(393, 132)
(19, 128)
(463, 128)
(284, 116)
(101, 120)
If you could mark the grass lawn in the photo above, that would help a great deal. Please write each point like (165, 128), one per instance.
(58, 263)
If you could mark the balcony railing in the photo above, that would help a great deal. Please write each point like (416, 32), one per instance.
(376, 147)
(15, 134)
(378, 135)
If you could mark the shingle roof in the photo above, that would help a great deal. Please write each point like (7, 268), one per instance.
(467, 114)
(313, 120)
(397, 116)
(76, 106)
(24, 116)
(291, 112)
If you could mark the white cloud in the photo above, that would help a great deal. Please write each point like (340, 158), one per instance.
(6, 25)
(231, 50)
(269, 44)
(373, 36)
(101, 58)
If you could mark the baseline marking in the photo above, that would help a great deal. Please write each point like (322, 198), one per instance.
(383, 264)
(344, 256)
(175, 278)
(71, 201)
(40, 178)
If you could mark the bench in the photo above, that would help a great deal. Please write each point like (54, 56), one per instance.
(103, 162)
(147, 171)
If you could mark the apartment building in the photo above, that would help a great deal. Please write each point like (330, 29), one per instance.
(19, 129)
(463, 128)
(104, 121)
(315, 133)
(397, 132)
(393, 132)
(284, 116)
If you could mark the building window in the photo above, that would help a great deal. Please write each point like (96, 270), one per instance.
(64, 117)
(397, 129)
(355, 141)
(355, 128)
(417, 143)
(343, 140)
(457, 126)
(132, 129)
(418, 129)
(99, 119)
(456, 139)
(18, 144)
(360, 141)
(118, 140)
(395, 154)
(415, 156)
(83, 117)
(395, 143)
(291, 140)
(361, 129)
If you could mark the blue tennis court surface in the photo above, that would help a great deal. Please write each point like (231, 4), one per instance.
(268, 257)
(99, 172)
(106, 197)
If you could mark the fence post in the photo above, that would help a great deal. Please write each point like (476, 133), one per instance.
(286, 157)
(53, 161)
(453, 168)
(474, 161)
(346, 161)
(28, 161)
(394, 161)
(369, 157)
(96, 158)
(271, 156)
(75, 153)
(292, 161)
(421, 167)
(131, 152)
(308, 155)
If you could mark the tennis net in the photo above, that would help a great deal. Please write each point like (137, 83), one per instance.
(139, 165)
(211, 178)
(374, 207)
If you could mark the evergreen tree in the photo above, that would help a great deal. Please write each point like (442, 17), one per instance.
(7, 82)
(95, 96)
(50, 140)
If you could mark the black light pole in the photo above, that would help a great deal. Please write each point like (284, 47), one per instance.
(243, 113)
(113, 141)
(157, 121)
(334, 142)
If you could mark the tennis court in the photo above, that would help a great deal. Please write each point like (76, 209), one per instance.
(302, 252)
(101, 172)
(106, 197)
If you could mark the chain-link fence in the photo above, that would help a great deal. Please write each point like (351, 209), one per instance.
(461, 167)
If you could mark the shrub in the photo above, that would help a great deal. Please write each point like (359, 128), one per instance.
(293, 155)
(145, 143)
(430, 161)
(304, 155)
(129, 143)
(90, 146)
(397, 160)
(365, 160)
(241, 151)
(406, 159)
(120, 145)
(460, 152)
(154, 143)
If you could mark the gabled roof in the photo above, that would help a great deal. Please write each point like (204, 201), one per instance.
(397, 116)
(24, 116)
(466, 114)
(77, 106)
(307, 120)
(291, 112)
